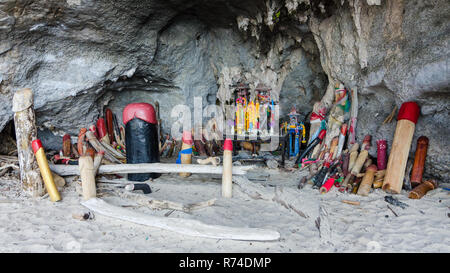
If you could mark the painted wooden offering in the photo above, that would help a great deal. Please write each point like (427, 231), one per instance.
(419, 161)
(398, 157)
(46, 174)
(227, 185)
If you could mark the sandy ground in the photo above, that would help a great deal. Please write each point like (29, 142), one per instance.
(28, 225)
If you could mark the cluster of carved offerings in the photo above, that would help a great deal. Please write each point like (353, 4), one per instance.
(253, 116)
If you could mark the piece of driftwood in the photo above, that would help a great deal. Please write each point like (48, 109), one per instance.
(66, 170)
(213, 160)
(26, 132)
(183, 226)
(46, 174)
(9, 159)
(367, 181)
(288, 198)
(99, 147)
(186, 158)
(419, 161)
(164, 204)
(353, 156)
(424, 187)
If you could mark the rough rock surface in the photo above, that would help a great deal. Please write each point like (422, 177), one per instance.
(393, 52)
(81, 55)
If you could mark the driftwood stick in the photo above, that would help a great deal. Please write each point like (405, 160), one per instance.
(98, 161)
(180, 225)
(9, 166)
(10, 159)
(66, 170)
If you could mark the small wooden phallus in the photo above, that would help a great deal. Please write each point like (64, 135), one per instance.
(395, 171)
(81, 144)
(379, 177)
(87, 175)
(47, 175)
(367, 163)
(190, 227)
(355, 203)
(67, 145)
(419, 161)
(357, 166)
(353, 155)
(102, 131)
(359, 162)
(345, 162)
(186, 151)
(366, 183)
(25, 129)
(227, 176)
(424, 187)
(381, 153)
(68, 170)
(109, 124)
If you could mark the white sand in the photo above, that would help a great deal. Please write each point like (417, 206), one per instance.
(28, 225)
